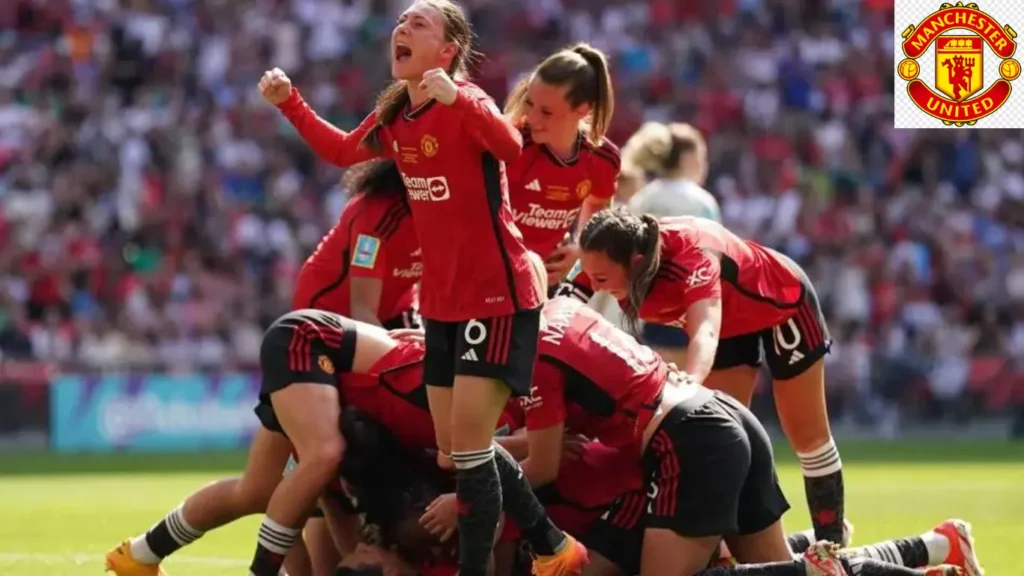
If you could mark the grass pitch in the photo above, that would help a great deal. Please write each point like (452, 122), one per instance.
(60, 514)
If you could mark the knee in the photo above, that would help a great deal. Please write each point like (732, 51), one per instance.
(326, 455)
(470, 433)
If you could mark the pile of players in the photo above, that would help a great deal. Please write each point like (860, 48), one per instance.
(511, 431)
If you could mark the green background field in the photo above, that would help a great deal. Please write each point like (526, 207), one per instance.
(59, 514)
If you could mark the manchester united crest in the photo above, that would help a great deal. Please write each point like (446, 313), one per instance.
(583, 188)
(428, 145)
(961, 37)
(325, 364)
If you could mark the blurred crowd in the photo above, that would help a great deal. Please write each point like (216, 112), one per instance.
(154, 210)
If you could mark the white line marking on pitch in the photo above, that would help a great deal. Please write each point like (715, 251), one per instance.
(79, 559)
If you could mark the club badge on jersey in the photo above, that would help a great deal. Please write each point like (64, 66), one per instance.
(365, 255)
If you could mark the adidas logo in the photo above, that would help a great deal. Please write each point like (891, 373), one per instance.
(471, 356)
(795, 357)
(535, 185)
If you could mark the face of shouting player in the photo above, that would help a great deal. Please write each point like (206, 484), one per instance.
(605, 274)
(418, 43)
(550, 116)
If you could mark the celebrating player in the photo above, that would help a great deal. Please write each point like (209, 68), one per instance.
(677, 155)
(568, 169)
(734, 297)
(367, 266)
(480, 291)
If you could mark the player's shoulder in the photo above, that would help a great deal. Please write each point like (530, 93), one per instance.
(307, 316)
(606, 151)
(473, 90)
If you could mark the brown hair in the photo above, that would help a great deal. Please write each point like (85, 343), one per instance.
(621, 235)
(375, 178)
(393, 100)
(584, 70)
(662, 148)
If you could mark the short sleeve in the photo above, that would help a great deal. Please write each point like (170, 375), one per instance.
(545, 406)
(703, 281)
(607, 166)
(369, 256)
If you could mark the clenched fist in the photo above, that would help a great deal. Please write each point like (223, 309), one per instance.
(275, 86)
(439, 86)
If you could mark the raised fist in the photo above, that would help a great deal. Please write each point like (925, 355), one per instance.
(275, 86)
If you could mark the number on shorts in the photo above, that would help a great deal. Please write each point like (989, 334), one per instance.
(476, 332)
(652, 493)
(779, 338)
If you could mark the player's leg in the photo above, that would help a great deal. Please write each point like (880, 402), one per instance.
(495, 358)
(949, 543)
(300, 365)
(323, 554)
(439, 378)
(614, 540)
(795, 352)
(212, 506)
(737, 362)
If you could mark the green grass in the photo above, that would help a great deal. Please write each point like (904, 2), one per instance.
(59, 514)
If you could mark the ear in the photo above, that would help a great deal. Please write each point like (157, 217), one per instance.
(582, 111)
(450, 50)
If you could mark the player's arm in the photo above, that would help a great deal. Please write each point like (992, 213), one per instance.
(545, 424)
(517, 444)
(328, 142)
(367, 269)
(344, 528)
(486, 125)
(605, 178)
(703, 303)
(576, 285)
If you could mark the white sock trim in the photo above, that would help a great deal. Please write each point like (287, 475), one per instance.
(277, 538)
(821, 461)
(473, 458)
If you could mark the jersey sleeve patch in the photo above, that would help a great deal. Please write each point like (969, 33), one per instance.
(367, 248)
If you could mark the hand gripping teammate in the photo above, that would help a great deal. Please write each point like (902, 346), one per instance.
(480, 291)
(368, 265)
(734, 298)
(568, 169)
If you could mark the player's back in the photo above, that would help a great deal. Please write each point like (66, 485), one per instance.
(475, 264)
(671, 197)
(546, 192)
(757, 285)
(609, 376)
(374, 237)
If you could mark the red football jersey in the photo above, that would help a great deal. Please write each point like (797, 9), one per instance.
(547, 192)
(393, 393)
(475, 264)
(593, 377)
(374, 238)
(701, 259)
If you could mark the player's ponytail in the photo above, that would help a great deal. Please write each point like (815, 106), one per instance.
(395, 98)
(668, 149)
(583, 71)
(599, 90)
(623, 236)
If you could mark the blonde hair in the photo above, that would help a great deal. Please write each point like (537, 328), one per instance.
(663, 148)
